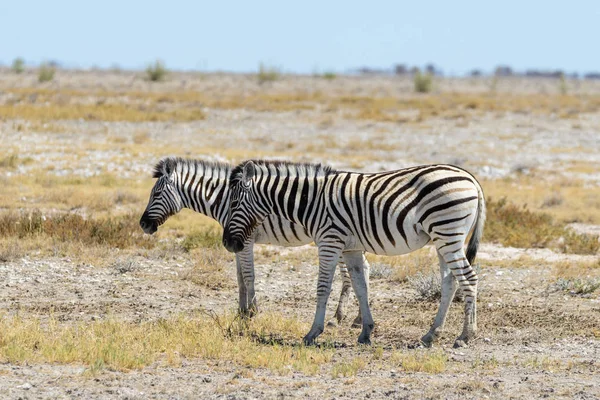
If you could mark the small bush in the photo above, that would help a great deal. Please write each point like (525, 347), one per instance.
(517, 226)
(578, 243)
(427, 285)
(156, 72)
(18, 65)
(267, 74)
(423, 82)
(329, 75)
(46, 73)
(577, 286)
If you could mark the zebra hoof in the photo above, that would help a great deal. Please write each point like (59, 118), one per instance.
(458, 343)
(364, 340)
(428, 340)
(308, 340)
(333, 323)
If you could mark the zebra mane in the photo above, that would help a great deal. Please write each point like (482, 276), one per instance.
(167, 165)
(287, 168)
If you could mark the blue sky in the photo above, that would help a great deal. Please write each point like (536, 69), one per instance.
(304, 36)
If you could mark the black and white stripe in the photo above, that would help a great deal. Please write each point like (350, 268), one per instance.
(203, 186)
(388, 213)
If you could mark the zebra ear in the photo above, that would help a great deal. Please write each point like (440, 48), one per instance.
(164, 167)
(249, 172)
(169, 166)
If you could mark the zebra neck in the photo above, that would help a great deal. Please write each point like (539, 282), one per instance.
(300, 205)
(206, 191)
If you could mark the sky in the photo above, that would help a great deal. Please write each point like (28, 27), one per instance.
(304, 36)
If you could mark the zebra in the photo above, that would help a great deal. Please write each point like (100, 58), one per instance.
(387, 213)
(202, 186)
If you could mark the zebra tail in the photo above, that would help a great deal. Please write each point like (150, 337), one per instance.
(478, 230)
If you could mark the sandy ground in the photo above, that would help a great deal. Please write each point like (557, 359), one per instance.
(524, 323)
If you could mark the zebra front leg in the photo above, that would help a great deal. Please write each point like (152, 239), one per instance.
(448, 292)
(358, 265)
(242, 292)
(329, 254)
(246, 260)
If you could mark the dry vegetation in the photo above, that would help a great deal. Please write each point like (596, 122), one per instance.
(88, 294)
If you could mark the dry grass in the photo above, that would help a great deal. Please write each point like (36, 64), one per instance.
(118, 232)
(431, 362)
(209, 270)
(98, 112)
(125, 346)
(379, 108)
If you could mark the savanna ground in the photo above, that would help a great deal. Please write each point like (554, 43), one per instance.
(92, 308)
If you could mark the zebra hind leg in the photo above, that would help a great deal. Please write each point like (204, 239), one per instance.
(340, 313)
(358, 266)
(357, 323)
(467, 281)
(448, 291)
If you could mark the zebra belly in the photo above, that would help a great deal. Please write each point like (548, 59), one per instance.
(281, 232)
(415, 241)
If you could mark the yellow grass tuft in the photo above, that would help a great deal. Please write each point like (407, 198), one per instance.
(432, 362)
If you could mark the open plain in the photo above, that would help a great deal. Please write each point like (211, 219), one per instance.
(90, 307)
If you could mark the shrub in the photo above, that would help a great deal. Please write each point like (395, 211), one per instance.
(329, 75)
(267, 74)
(517, 226)
(427, 285)
(156, 72)
(46, 73)
(423, 82)
(18, 65)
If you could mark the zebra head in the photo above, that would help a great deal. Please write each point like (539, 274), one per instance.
(165, 199)
(245, 211)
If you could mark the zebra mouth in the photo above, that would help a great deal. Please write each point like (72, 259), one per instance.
(233, 245)
(149, 227)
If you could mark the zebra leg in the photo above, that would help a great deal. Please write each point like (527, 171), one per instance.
(344, 295)
(467, 281)
(356, 263)
(357, 323)
(246, 260)
(329, 255)
(242, 292)
(448, 290)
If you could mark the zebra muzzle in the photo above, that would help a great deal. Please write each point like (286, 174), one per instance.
(147, 225)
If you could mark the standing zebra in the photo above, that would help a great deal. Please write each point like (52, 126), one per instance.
(204, 187)
(387, 213)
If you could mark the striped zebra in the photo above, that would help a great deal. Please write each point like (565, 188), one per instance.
(387, 213)
(204, 187)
